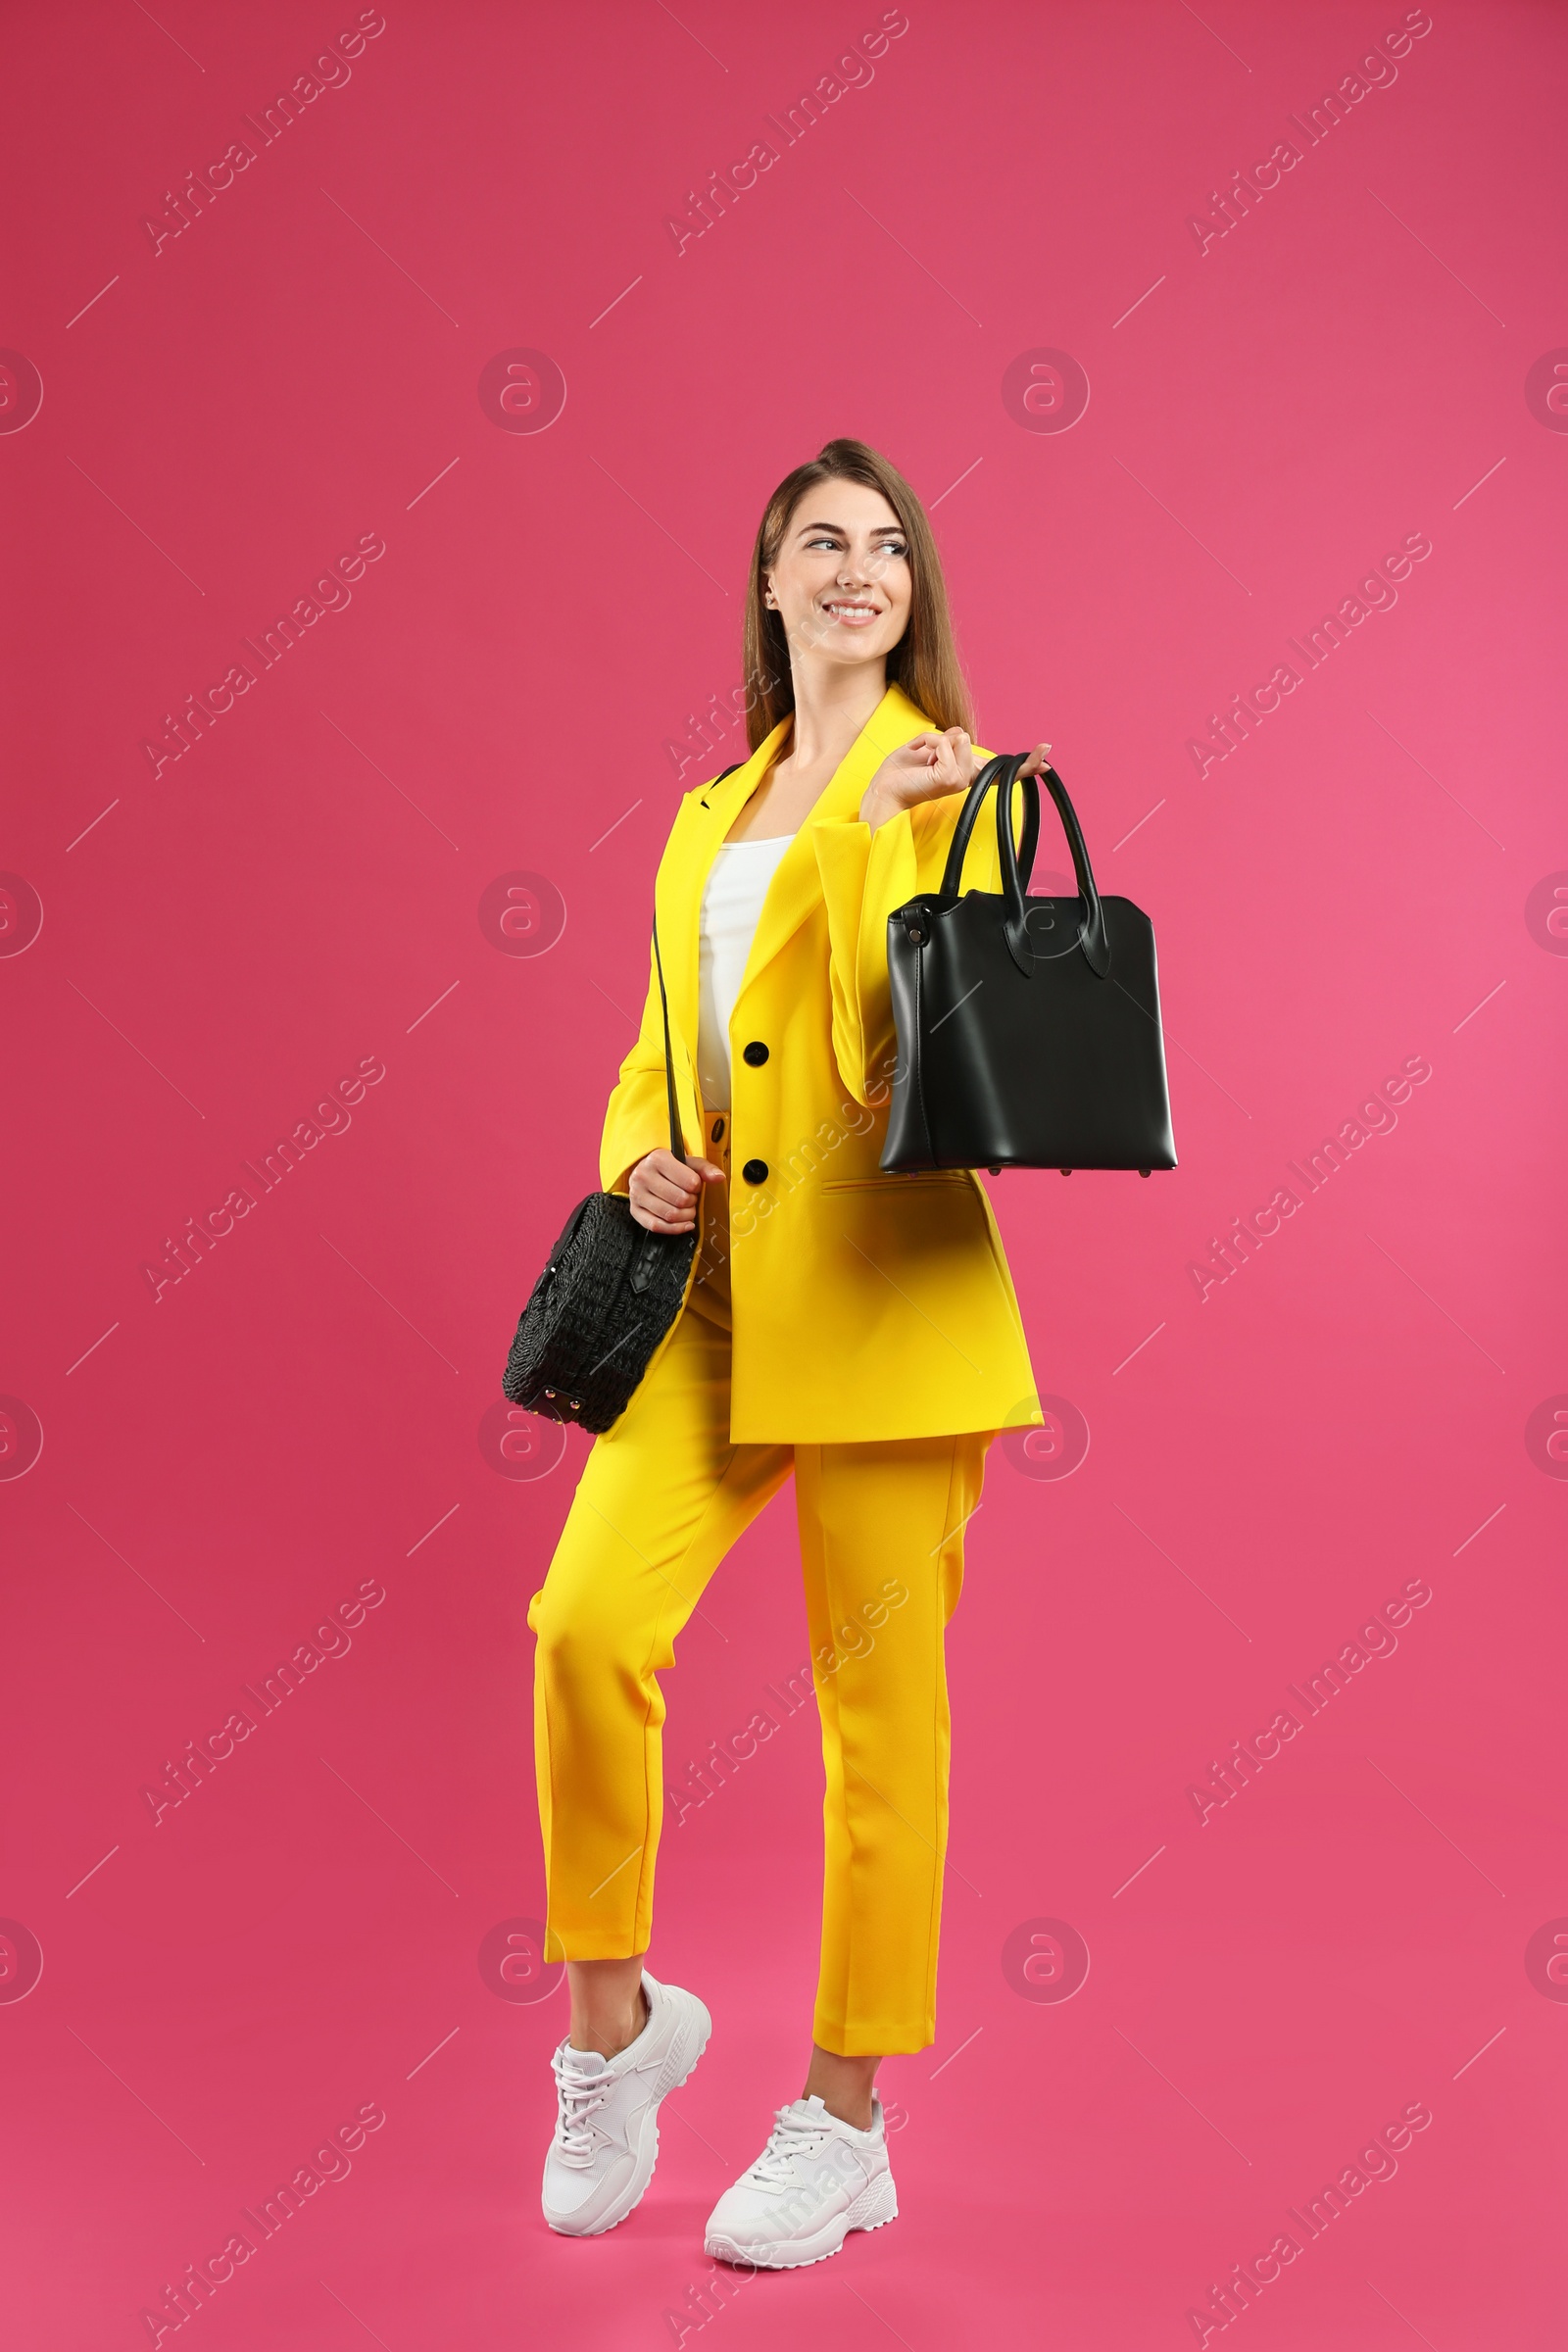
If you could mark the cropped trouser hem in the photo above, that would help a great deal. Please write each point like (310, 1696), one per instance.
(874, 2036)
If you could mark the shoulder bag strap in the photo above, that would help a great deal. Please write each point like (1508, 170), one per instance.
(676, 1141)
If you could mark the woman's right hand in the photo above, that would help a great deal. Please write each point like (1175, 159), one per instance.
(664, 1190)
(929, 767)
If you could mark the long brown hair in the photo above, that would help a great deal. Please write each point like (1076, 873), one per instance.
(925, 664)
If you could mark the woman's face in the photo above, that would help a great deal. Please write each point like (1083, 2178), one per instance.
(841, 579)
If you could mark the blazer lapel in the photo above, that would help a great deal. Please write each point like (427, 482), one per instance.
(716, 811)
(795, 888)
(797, 884)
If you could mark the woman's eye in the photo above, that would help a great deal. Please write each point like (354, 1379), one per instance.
(885, 548)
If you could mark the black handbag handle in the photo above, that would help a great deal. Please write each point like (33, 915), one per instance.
(1003, 770)
(1092, 936)
(952, 872)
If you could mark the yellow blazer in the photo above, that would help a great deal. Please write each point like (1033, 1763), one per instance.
(864, 1306)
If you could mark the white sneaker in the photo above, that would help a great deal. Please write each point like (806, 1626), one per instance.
(606, 2128)
(816, 2179)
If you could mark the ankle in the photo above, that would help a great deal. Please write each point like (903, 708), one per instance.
(611, 2036)
(846, 2086)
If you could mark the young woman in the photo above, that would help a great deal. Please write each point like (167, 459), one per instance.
(858, 1329)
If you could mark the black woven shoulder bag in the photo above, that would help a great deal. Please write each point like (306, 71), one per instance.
(606, 1298)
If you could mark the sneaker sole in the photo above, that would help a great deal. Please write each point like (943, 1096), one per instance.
(873, 2209)
(680, 2055)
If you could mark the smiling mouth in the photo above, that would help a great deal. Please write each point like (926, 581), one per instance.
(851, 615)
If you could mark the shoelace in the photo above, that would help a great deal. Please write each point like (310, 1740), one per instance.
(792, 2135)
(580, 2096)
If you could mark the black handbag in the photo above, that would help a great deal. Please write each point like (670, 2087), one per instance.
(1028, 1028)
(606, 1298)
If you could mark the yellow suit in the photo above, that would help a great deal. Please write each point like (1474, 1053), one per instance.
(858, 1332)
(865, 1306)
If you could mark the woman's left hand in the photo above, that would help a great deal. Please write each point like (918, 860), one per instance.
(926, 768)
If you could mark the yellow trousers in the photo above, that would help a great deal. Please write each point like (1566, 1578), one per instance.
(662, 1497)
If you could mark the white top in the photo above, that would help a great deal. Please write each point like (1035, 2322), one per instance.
(732, 902)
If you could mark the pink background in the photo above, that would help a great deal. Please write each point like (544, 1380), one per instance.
(1367, 879)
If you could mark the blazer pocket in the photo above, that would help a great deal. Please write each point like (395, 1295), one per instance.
(893, 1185)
